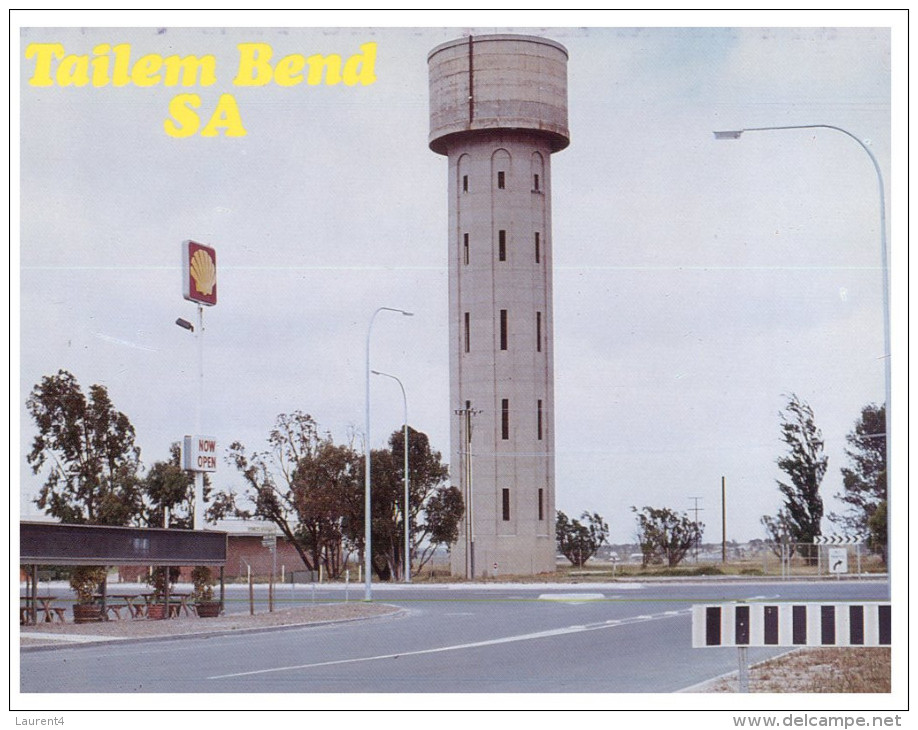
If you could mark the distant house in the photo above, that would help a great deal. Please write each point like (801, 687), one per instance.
(248, 549)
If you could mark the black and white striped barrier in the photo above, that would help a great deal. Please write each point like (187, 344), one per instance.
(792, 624)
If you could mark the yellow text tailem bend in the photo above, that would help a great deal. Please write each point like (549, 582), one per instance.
(113, 65)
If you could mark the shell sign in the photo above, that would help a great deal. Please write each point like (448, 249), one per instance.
(199, 273)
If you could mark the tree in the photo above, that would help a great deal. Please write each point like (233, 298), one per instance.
(778, 531)
(864, 481)
(88, 448)
(665, 535)
(328, 497)
(167, 486)
(434, 509)
(879, 537)
(305, 484)
(805, 464)
(313, 490)
(444, 509)
(578, 541)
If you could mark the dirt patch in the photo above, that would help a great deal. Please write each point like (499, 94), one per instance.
(850, 670)
(68, 634)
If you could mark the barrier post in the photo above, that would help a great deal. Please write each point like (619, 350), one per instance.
(743, 669)
(251, 595)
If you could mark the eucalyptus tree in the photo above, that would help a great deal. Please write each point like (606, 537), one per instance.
(85, 448)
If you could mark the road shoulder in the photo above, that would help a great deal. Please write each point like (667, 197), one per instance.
(55, 635)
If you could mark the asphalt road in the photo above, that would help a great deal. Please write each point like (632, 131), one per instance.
(605, 638)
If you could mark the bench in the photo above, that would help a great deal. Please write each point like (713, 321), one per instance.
(116, 609)
(48, 613)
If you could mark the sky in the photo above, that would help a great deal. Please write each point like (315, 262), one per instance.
(697, 282)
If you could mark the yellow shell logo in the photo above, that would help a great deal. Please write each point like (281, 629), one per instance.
(204, 272)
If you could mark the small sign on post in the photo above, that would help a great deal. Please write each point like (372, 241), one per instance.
(838, 560)
(199, 453)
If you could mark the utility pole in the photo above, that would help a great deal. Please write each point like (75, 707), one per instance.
(696, 509)
(465, 415)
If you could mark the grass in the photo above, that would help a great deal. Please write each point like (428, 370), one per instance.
(599, 571)
(844, 671)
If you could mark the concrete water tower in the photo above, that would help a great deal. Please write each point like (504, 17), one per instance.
(498, 110)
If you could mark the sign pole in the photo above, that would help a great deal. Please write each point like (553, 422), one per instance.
(743, 669)
(199, 475)
(199, 285)
(723, 517)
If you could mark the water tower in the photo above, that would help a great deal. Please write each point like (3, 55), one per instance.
(498, 110)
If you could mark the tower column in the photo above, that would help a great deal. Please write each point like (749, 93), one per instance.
(498, 112)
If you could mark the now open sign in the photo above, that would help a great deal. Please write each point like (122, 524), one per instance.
(199, 453)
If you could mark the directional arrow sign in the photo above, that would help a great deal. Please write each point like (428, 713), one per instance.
(838, 560)
(837, 540)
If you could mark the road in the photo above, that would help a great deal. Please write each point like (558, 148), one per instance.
(609, 638)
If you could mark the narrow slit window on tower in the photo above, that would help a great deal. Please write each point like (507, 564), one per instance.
(539, 425)
(541, 504)
(465, 248)
(538, 332)
(505, 419)
(505, 504)
(467, 332)
(538, 252)
(500, 180)
(502, 245)
(535, 183)
(503, 329)
(465, 183)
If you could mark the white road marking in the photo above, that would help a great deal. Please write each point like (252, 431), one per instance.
(73, 638)
(459, 647)
(571, 597)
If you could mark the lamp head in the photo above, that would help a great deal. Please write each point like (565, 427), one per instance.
(729, 134)
(185, 324)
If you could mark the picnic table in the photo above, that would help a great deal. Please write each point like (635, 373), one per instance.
(182, 599)
(44, 606)
(125, 600)
(178, 603)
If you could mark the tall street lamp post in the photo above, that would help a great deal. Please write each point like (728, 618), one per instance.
(405, 513)
(367, 501)
(735, 134)
(198, 514)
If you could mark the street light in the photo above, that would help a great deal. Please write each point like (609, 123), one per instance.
(198, 519)
(186, 325)
(367, 501)
(405, 442)
(735, 134)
